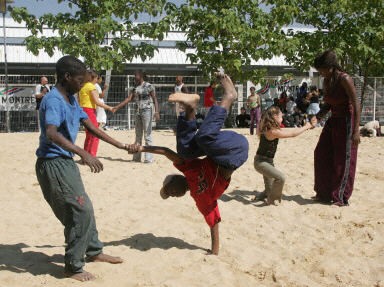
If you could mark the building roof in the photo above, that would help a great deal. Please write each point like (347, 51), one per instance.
(166, 54)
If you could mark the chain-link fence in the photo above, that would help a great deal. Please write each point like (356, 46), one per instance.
(23, 116)
(373, 107)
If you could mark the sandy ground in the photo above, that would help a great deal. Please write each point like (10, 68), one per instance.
(298, 243)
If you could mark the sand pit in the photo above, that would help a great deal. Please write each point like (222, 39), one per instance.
(163, 242)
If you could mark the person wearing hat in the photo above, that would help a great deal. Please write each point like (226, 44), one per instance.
(209, 177)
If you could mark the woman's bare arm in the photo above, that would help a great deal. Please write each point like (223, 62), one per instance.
(349, 87)
(286, 133)
(125, 102)
(96, 99)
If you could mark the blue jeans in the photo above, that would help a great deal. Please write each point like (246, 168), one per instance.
(143, 126)
(226, 148)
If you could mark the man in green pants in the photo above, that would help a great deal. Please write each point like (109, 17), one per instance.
(58, 175)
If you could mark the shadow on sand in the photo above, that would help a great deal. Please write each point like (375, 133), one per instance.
(14, 259)
(147, 241)
(246, 197)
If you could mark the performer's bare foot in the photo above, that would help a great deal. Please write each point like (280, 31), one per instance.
(82, 276)
(188, 100)
(230, 94)
(105, 258)
(272, 197)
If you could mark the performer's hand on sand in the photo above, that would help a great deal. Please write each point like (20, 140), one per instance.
(95, 165)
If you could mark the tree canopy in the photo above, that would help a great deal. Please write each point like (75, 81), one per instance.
(353, 29)
(228, 34)
(85, 32)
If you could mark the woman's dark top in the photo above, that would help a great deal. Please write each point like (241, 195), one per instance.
(336, 96)
(267, 148)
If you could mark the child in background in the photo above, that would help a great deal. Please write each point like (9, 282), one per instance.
(209, 177)
(89, 100)
(101, 116)
(270, 133)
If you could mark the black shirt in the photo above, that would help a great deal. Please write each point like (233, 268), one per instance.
(242, 121)
(267, 148)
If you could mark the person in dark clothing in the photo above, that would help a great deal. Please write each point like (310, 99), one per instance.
(243, 119)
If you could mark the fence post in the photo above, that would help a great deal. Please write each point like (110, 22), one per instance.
(129, 116)
(7, 121)
(374, 100)
(108, 82)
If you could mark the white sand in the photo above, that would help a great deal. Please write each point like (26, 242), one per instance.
(297, 243)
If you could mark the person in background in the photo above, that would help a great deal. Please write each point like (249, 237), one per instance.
(243, 119)
(283, 101)
(301, 93)
(101, 116)
(371, 129)
(180, 87)
(209, 96)
(40, 91)
(254, 104)
(143, 94)
(314, 106)
(290, 106)
(89, 100)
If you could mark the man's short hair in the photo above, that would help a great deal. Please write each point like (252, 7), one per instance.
(71, 65)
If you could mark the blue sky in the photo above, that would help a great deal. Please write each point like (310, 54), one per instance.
(40, 7)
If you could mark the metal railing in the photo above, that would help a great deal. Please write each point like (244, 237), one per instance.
(23, 117)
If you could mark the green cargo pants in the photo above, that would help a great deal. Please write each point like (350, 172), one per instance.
(63, 189)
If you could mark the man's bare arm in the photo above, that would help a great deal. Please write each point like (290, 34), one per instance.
(101, 134)
(57, 138)
(215, 239)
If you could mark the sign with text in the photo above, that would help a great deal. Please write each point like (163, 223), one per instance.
(19, 99)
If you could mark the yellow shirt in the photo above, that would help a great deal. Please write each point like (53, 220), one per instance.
(85, 97)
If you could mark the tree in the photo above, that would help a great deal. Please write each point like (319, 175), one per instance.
(85, 32)
(353, 29)
(227, 34)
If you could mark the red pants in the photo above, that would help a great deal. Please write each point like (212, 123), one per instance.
(91, 142)
(335, 161)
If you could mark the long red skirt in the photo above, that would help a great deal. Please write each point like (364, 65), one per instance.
(335, 161)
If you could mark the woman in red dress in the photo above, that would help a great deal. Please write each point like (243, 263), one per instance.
(336, 151)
